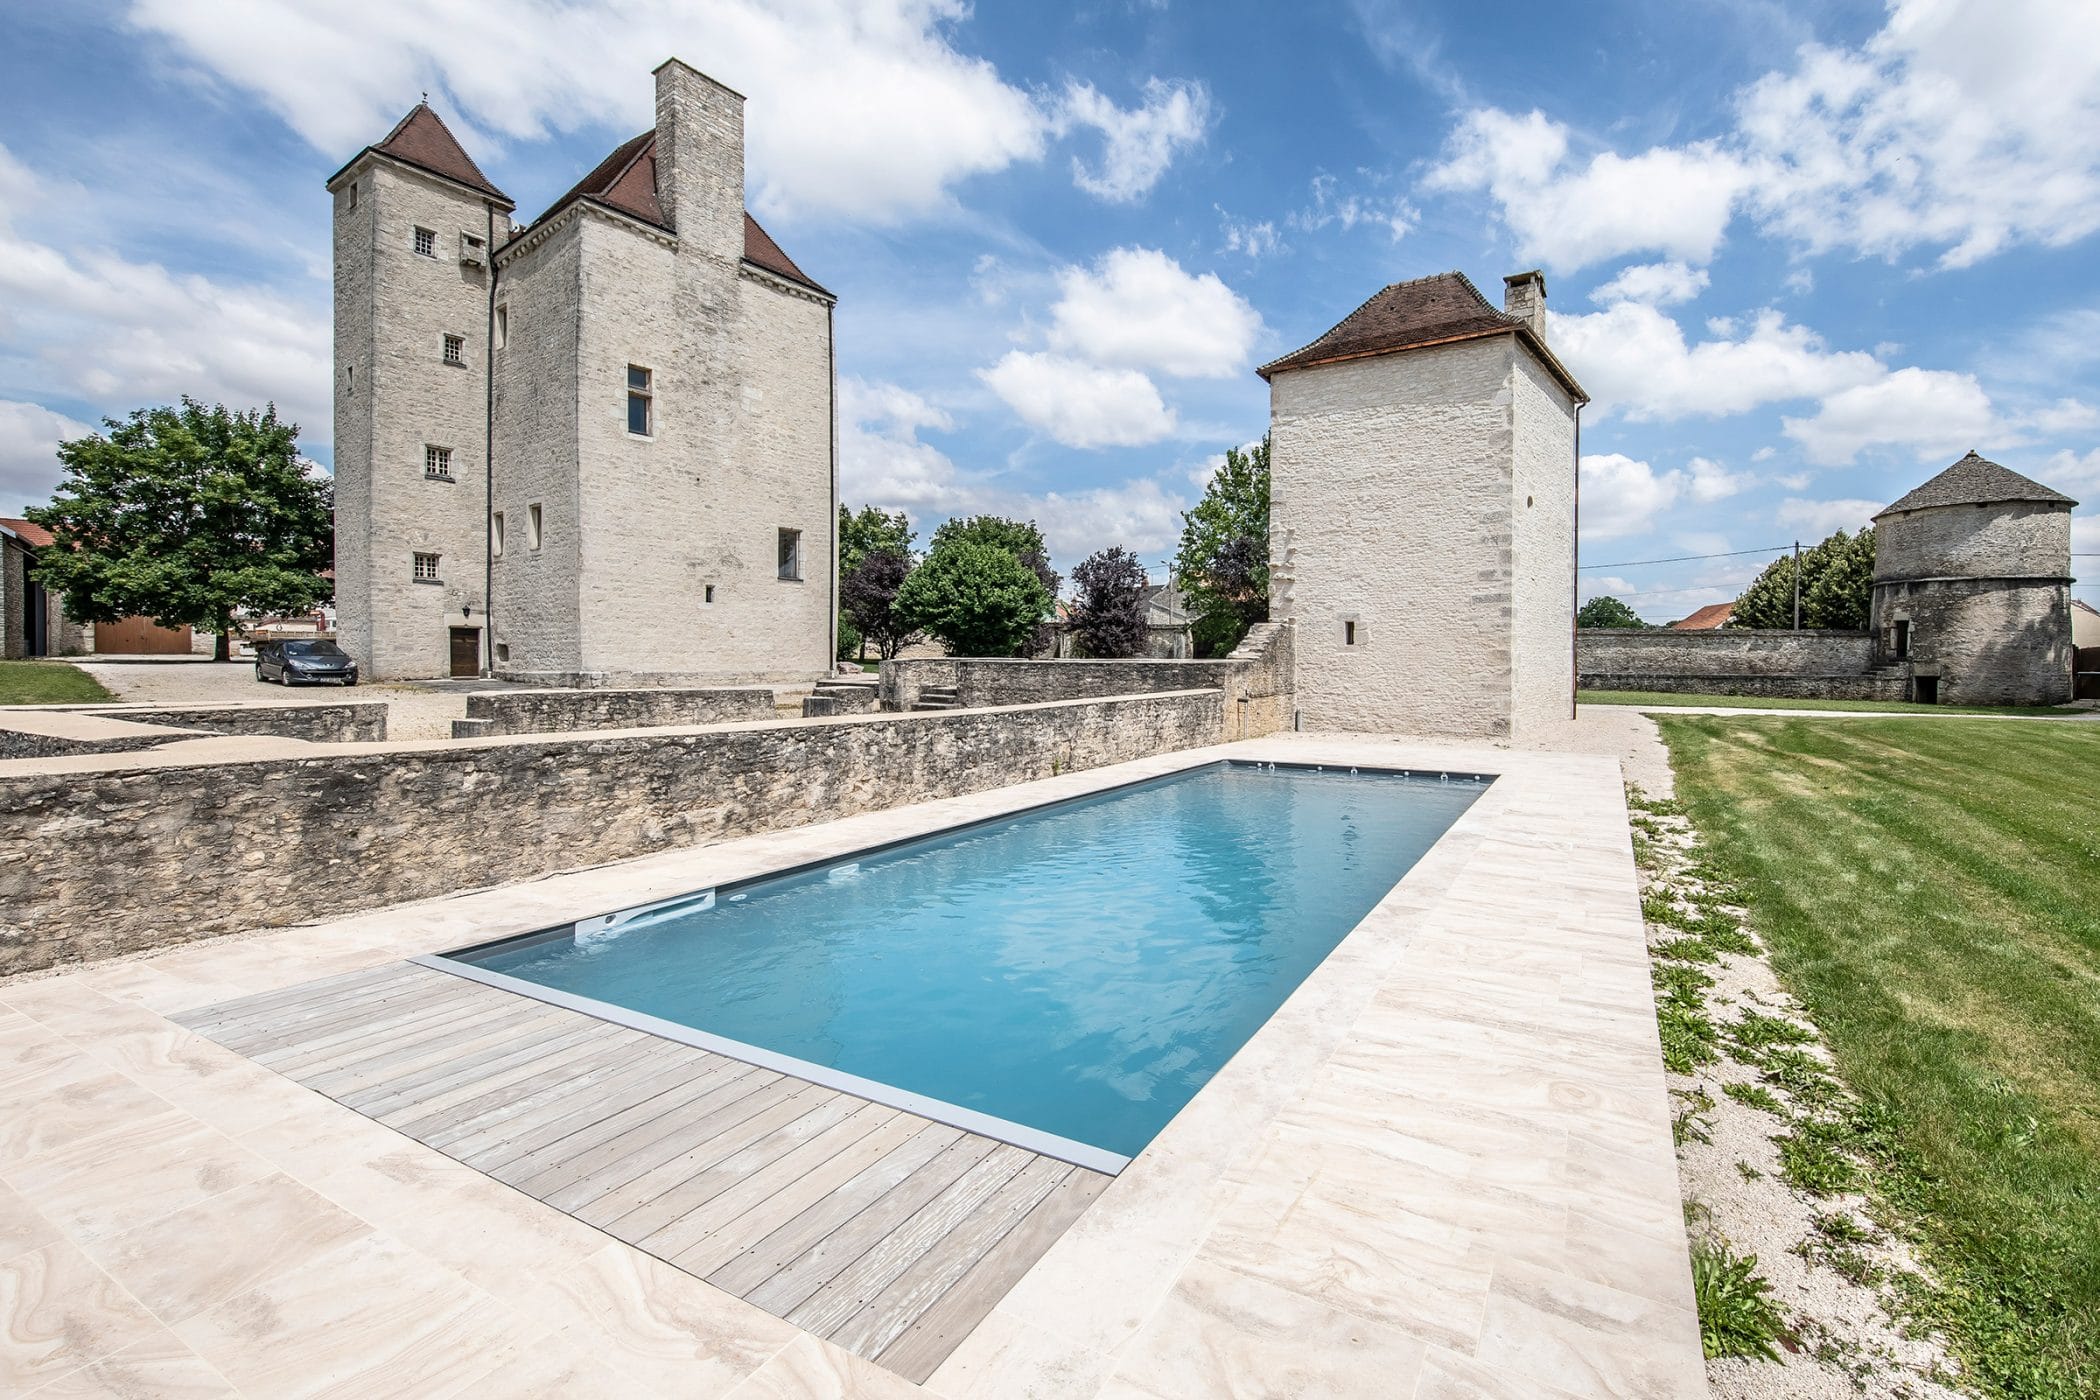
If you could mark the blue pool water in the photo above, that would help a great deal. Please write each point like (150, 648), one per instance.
(1081, 970)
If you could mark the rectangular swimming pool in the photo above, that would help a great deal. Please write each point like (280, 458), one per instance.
(1065, 978)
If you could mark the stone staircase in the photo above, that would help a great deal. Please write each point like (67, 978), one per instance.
(841, 698)
(937, 697)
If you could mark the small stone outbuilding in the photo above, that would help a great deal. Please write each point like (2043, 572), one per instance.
(1422, 513)
(1972, 588)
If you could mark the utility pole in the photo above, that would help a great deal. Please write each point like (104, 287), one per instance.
(1797, 585)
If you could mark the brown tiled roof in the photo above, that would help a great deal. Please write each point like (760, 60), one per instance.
(1413, 315)
(1976, 480)
(423, 140)
(35, 536)
(626, 181)
(1706, 619)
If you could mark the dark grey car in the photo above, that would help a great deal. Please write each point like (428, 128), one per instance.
(321, 662)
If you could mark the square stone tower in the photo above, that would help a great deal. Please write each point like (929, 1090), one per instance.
(638, 417)
(1422, 514)
(415, 223)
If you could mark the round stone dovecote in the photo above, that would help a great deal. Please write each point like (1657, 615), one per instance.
(1972, 588)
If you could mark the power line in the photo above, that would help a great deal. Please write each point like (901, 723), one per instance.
(1689, 558)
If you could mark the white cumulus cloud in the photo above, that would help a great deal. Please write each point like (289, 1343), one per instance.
(1080, 404)
(1137, 308)
(29, 438)
(1930, 413)
(1622, 495)
(1653, 284)
(1138, 143)
(1636, 360)
(1817, 519)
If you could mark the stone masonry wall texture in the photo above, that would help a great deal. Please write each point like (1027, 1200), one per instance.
(381, 826)
(559, 711)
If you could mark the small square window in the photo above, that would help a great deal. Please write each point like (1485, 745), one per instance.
(503, 651)
(437, 461)
(426, 243)
(791, 555)
(426, 568)
(496, 534)
(455, 349)
(532, 526)
(641, 401)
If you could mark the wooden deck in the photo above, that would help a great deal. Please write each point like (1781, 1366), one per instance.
(885, 1232)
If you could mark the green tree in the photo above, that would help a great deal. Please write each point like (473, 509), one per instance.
(868, 598)
(871, 531)
(1224, 558)
(849, 638)
(1607, 611)
(977, 598)
(1837, 587)
(188, 515)
(1022, 539)
(1108, 617)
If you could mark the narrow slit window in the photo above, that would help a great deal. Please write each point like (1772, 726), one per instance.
(350, 380)
(707, 593)
(532, 526)
(791, 555)
(426, 243)
(1903, 639)
(455, 349)
(502, 326)
(437, 462)
(1349, 633)
(641, 401)
(496, 534)
(426, 568)
(353, 194)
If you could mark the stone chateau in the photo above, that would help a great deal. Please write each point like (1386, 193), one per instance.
(594, 448)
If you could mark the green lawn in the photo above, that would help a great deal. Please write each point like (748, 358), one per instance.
(1661, 699)
(47, 683)
(1932, 893)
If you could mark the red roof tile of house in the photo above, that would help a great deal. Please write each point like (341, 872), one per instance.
(1707, 619)
(1435, 310)
(423, 140)
(626, 181)
(35, 536)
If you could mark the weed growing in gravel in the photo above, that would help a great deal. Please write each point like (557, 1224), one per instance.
(1736, 1313)
(1756, 1031)
(1756, 1096)
(1688, 1037)
(1685, 950)
(1811, 1159)
(1689, 1124)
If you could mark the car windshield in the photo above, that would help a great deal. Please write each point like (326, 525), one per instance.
(329, 649)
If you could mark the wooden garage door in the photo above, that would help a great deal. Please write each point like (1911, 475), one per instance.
(140, 636)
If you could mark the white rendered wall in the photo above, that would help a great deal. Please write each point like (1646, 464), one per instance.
(1542, 506)
(1390, 504)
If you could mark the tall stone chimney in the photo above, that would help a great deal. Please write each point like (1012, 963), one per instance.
(700, 160)
(1524, 297)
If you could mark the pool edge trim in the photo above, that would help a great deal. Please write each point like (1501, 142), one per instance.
(1078, 1154)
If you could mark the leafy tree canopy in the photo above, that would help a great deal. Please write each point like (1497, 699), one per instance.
(1837, 587)
(188, 515)
(1108, 618)
(1022, 539)
(868, 597)
(1607, 611)
(1223, 563)
(977, 598)
(869, 531)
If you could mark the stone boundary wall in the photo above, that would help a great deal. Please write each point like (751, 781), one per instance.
(104, 859)
(561, 711)
(345, 722)
(53, 735)
(1257, 680)
(1812, 665)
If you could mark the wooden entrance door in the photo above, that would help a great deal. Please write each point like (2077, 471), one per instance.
(466, 651)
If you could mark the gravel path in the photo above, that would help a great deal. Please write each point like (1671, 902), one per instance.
(413, 712)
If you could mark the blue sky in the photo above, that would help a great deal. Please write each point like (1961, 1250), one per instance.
(1803, 256)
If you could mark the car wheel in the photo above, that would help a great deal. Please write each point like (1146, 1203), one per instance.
(284, 678)
(258, 673)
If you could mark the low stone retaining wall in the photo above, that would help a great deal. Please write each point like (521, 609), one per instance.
(49, 734)
(1813, 665)
(1256, 680)
(346, 722)
(112, 858)
(562, 711)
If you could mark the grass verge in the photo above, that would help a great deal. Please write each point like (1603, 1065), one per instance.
(1931, 893)
(47, 683)
(1656, 699)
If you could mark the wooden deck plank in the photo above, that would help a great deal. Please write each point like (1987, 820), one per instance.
(891, 1233)
(888, 1308)
(883, 1255)
(920, 1349)
(754, 1208)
